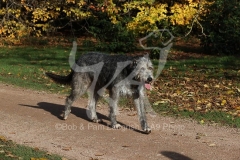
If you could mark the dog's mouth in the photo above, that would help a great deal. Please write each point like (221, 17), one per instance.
(148, 83)
(147, 86)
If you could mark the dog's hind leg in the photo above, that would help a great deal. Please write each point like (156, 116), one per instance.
(92, 107)
(80, 84)
(139, 102)
(114, 97)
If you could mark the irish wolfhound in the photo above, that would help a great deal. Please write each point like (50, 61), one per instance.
(119, 74)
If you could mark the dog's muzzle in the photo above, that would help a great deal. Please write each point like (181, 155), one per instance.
(149, 79)
(148, 82)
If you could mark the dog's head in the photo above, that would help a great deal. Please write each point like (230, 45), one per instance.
(143, 69)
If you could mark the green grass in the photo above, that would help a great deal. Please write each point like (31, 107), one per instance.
(25, 66)
(13, 151)
(221, 118)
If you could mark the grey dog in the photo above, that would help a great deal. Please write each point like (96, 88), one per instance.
(119, 74)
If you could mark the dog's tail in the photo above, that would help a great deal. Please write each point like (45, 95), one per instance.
(60, 79)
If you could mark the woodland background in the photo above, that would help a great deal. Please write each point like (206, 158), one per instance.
(116, 25)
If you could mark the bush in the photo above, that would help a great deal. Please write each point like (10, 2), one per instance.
(222, 26)
(111, 37)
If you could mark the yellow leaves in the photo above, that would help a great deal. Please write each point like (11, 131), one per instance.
(202, 121)
(223, 102)
(58, 9)
(161, 102)
(147, 17)
(2, 138)
(237, 108)
(230, 92)
(40, 15)
(206, 86)
(71, 1)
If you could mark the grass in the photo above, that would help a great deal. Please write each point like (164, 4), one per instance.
(12, 151)
(212, 117)
(25, 67)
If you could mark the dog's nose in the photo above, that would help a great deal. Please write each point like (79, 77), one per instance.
(149, 79)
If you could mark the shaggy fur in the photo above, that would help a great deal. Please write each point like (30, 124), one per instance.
(119, 74)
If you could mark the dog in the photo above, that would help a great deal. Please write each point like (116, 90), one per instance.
(119, 74)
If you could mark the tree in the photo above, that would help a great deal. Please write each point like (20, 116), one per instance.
(112, 22)
(222, 27)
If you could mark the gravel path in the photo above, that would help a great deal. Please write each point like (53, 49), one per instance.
(33, 118)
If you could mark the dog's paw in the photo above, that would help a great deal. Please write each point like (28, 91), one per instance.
(147, 130)
(97, 120)
(65, 117)
(116, 126)
(65, 114)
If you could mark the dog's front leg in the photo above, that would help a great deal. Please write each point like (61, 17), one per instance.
(113, 101)
(139, 103)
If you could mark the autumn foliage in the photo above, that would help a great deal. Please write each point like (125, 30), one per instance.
(24, 17)
(111, 22)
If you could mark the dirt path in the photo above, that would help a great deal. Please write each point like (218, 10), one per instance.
(33, 118)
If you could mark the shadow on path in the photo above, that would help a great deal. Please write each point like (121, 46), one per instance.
(57, 111)
(174, 155)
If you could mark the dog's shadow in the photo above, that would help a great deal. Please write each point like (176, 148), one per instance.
(57, 111)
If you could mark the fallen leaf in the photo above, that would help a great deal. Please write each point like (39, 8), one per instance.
(202, 121)
(67, 148)
(223, 102)
(125, 146)
(9, 154)
(212, 145)
(201, 134)
(132, 114)
(209, 105)
(198, 108)
(230, 92)
(99, 154)
(206, 86)
(3, 139)
(160, 102)
(36, 149)
(238, 89)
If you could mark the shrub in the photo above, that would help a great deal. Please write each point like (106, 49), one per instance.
(111, 37)
(222, 26)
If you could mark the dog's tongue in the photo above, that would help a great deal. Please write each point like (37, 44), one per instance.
(147, 86)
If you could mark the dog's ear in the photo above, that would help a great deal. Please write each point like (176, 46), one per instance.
(146, 56)
(133, 64)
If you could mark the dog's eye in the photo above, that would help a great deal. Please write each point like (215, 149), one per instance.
(150, 68)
